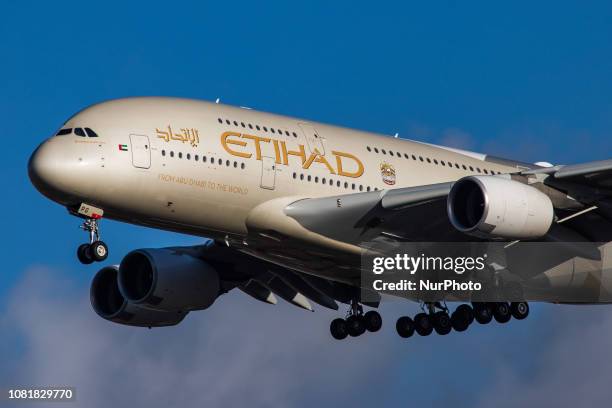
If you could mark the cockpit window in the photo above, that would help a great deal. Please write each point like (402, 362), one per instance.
(63, 132)
(91, 133)
(79, 132)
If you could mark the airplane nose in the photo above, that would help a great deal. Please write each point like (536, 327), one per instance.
(48, 172)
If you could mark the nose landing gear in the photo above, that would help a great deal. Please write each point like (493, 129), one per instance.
(96, 250)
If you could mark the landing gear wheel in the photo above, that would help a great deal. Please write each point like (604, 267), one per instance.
(442, 323)
(338, 329)
(460, 321)
(84, 254)
(423, 324)
(372, 321)
(355, 325)
(501, 312)
(404, 327)
(99, 251)
(483, 313)
(519, 310)
(467, 312)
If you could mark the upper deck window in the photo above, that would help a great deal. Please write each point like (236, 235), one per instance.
(63, 132)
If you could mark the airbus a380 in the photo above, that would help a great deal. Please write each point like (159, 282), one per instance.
(288, 204)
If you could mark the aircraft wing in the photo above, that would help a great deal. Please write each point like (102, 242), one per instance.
(325, 236)
(596, 174)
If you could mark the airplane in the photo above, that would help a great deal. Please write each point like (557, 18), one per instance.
(286, 205)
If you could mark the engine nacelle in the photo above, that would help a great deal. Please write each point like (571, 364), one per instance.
(109, 304)
(164, 279)
(496, 207)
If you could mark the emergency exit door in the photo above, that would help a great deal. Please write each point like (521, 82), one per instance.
(141, 151)
(268, 173)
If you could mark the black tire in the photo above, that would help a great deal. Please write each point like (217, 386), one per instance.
(84, 254)
(483, 313)
(442, 323)
(338, 329)
(99, 251)
(460, 321)
(404, 327)
(423, 324)
(519, 310)
(467, 312)
(372, 321)
(501, 312)
(355, 326)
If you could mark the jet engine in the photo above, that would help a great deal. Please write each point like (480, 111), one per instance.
(109, 304)
(496, 207)
(167, 280)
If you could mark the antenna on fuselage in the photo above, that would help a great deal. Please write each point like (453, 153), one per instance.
(396, 135)
(218, 99)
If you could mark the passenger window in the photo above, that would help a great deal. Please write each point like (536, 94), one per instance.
(90, 132)
(63, 132)
(79, 132)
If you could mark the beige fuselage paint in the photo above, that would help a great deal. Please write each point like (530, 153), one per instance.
(250, 157)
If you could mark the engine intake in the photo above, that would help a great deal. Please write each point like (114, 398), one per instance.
(164, 279)
(108, 303)
(496, 207)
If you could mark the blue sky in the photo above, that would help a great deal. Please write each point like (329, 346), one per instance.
(525, 80)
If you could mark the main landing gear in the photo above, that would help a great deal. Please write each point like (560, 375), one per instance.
(440, 321)
(96, 250)
(356, 322)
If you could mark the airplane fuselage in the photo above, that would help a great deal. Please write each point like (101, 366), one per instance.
(199, 168)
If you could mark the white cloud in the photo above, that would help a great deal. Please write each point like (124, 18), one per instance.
(237, 352)
(241, 351)
(571, 369)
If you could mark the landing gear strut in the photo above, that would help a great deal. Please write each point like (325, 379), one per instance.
(96, 250)
(356, 322)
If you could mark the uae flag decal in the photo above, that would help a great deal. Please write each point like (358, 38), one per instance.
(123, 147)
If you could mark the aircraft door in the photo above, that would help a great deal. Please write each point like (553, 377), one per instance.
(141, 151)
(313, 138)
(268, 173)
